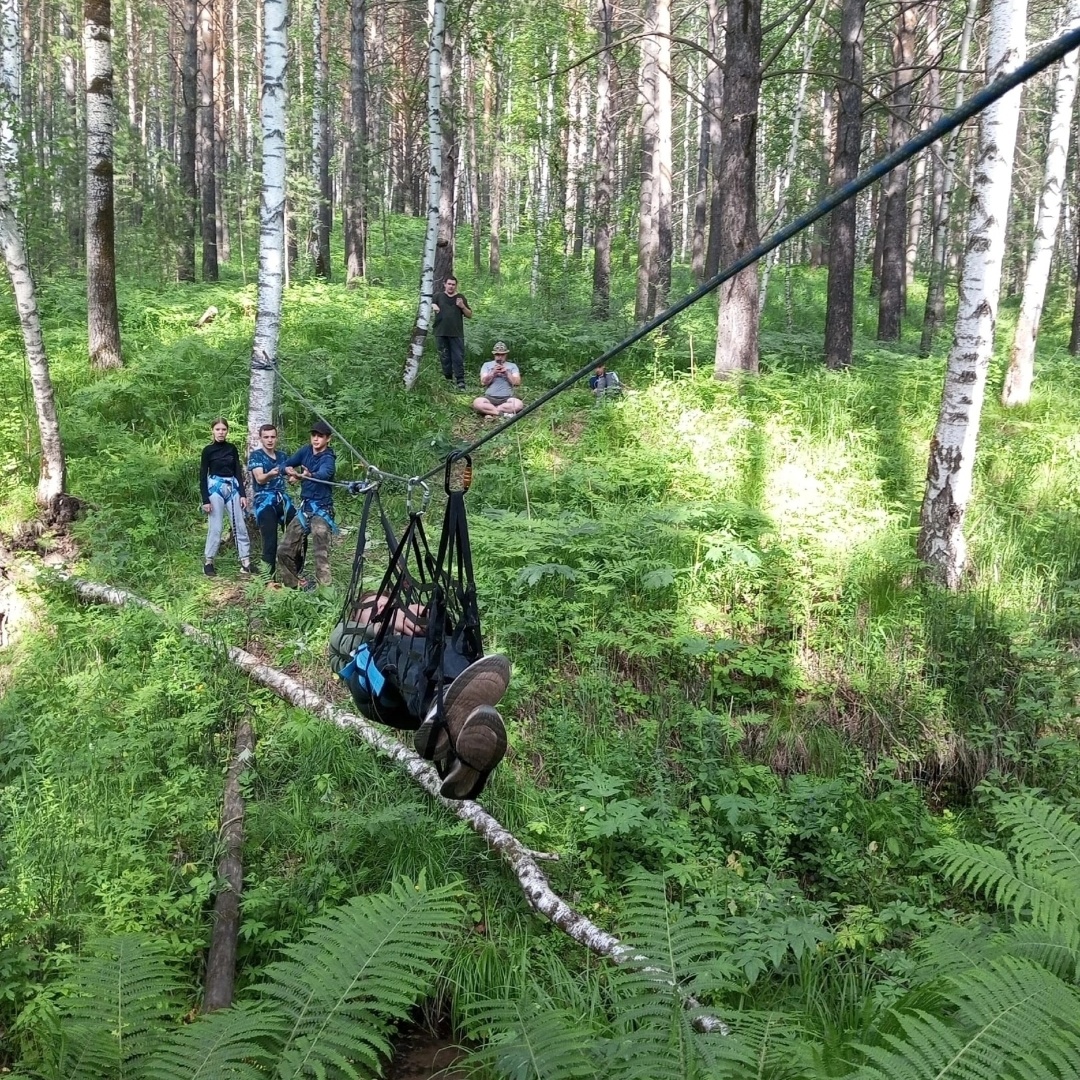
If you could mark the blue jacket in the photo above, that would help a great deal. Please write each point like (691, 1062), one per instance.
(322, 467)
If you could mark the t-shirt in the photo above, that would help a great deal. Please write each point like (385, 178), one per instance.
(219, 459)
(450, 320)
(260, 459)
(500, 388)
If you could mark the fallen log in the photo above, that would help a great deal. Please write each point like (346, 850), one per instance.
(221, 956)
(521, 860)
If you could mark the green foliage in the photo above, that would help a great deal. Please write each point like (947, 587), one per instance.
(325, 1011)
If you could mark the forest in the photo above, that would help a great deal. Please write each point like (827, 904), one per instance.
(791, 787)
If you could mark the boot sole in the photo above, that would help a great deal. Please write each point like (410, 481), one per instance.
(433, 739)
(474, 764)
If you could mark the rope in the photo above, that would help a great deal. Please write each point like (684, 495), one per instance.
(974, 104)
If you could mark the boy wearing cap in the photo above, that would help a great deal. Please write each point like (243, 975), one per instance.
(499, 378)
(314, 467)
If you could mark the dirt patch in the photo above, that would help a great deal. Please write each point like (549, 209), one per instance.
(424, 1056)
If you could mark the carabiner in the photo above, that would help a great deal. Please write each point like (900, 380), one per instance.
(465, 472)
(412, 484)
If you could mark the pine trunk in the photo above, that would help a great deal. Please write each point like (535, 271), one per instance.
(737, 323)
(444, 245)
(648, 235)
(895, 191)
(320, 141)
(840, 307)
(207, 140)
(950, 469)
(605, 162)
(661, 284)
(102, 314)
(714, 97)
(356, 217)
(189, 125)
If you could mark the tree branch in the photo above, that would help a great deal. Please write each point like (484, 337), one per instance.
(538, 892)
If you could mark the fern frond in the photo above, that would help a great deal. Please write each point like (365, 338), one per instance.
(761, 1046)
(360, 968)
(233, 1044)
(1043, 834)
(1014, 1020)
(532, 1040)
(121, 997)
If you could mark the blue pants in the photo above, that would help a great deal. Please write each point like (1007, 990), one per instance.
(452, 357)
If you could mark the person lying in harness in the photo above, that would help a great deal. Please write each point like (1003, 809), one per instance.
(270, 503)
(379, 653)
(314, 467)
(221, 485)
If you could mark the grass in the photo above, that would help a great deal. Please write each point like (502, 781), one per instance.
(707, 589)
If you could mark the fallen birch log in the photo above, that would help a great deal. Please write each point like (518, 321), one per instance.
(521, 860)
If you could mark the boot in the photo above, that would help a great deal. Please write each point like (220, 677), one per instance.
(481, 683)
(479, 746)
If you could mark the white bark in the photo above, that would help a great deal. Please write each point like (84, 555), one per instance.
(271, 219)
(51, 480)
(950, 468)
(1021, 373)
(427, 268)
(521, 860)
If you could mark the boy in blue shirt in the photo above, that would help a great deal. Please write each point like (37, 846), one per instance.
(313, 466)
(271, 505)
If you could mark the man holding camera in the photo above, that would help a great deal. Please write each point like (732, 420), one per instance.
(451, 309)
(499, 378)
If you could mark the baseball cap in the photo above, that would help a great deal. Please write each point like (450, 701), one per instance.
(321, 427)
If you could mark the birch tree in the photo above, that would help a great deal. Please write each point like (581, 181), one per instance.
(950, 469)
(1018, 379)
(271, 218)
(102, 315)
(52, 476)
(605, 161)
(427, 268)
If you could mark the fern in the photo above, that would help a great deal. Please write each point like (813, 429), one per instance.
(534, 1040)
(120, 1000)
(1013, 1020)
(233, 1044)
(360, 968)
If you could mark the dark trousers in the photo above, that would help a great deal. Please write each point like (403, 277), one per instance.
(268, 521)
(452, 357)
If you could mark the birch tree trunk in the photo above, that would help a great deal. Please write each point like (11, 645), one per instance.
(605, 162)
(52, 477)
(840, 307)
(737, 322)
(427, 266)
(102, 314)
(1018, 379)
(263, 380)
(934, 312)
(950, 469)
(714, 97)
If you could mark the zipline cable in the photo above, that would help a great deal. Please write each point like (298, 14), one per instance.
(974, 104)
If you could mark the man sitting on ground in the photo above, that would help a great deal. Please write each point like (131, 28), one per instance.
(604, 383)
(499, 379)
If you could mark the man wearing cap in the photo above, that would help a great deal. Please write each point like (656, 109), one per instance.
(314, 467)
(451, 309)
(499, 378)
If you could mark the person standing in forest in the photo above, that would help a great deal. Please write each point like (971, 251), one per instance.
(270, 503)
(221, 484)
(314, 466)
(500, 379)
(451, 309)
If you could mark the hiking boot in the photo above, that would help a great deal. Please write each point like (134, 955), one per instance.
(479, 746)
(208, 568)
(247, 568)
(307, 585)
(482, 683)
(460, 386)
